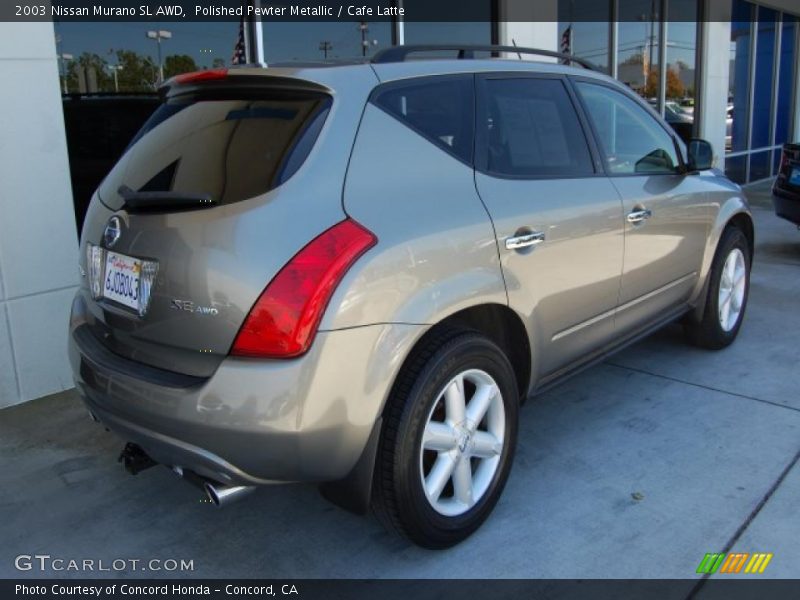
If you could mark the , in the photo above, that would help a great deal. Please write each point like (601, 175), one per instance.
(421, 245)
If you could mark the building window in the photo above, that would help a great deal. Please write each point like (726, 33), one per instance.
(456, 32)
(110, 57)
(448, 33)
(786, 80)
(739, 77)
(583, 30)
(763, 84)
(314, 41)
(681, 53)
(762, 90)
(638, 42)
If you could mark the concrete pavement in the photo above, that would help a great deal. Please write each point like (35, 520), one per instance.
(635, 468)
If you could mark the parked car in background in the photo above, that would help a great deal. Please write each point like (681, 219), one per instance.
(786, 189)
(354, 274)
(680, 120)
(99, 128)
(687, 105)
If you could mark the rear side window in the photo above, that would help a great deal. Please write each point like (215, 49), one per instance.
(532, 130)
(231, 146)
(439, 108)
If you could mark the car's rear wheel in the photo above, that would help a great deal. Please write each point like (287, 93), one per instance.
(728, 289)
(448, 439)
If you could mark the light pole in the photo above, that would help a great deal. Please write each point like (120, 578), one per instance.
(115, 69)
(159, 35)
(364, 29)
(325, 47)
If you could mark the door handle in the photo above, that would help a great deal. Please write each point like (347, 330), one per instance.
(638, 216)
(523, 241)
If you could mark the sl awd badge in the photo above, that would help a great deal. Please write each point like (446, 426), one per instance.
(191, 307)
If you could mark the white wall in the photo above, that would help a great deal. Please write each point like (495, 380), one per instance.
(539, 29)
(38, 241)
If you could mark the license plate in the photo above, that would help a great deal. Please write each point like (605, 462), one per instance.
(794, 177)
(122, 276)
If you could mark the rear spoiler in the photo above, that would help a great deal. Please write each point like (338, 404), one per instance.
(239, 79)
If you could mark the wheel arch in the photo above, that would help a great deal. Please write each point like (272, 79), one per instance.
(734, 213)
(505, 328)
(498, 323)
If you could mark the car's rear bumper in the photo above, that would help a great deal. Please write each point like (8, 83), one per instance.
(253, 421)
(787, 205)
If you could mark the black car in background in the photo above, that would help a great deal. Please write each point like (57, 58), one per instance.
(786, 189)
(99, 128)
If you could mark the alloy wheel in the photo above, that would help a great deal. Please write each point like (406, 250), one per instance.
(462, 442)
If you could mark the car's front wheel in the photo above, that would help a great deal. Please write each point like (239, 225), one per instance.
(728, 289)
(448, 439)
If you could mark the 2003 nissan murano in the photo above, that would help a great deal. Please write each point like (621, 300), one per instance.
(354, 274)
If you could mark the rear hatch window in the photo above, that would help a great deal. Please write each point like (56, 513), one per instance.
(227, 145)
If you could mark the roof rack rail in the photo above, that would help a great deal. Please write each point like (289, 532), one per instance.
(401, 53)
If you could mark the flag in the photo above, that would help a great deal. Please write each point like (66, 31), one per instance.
(239, 57)
(566, 44)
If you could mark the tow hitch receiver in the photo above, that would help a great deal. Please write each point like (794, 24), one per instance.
(135, 459)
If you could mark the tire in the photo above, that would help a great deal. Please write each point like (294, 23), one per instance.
(720, 325)
(478, 452)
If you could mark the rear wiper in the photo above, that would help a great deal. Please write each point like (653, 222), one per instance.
(164, 201)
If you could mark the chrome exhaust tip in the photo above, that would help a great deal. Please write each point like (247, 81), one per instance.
(222, 495)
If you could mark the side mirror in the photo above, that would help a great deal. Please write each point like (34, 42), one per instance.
(701, 155)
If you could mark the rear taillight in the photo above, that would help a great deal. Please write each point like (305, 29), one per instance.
(200, 76)
(284, 319)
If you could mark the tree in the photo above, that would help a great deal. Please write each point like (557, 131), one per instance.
(89, 63)
(176, 64)
(634, 59)
(139, 73)
(218, 63)
(675, 87)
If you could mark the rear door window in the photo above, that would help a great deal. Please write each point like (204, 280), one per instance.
(531, 130)
(441, 109)
(228, 146)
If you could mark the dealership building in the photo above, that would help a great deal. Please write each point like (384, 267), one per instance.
(723, 70)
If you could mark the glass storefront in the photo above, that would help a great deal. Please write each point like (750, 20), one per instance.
(584, 29)
(124, 57)
(638, 48)
(681, 60)
(762, 87)
(455, 32)
(783, 121)
(314, 41)
(650, 45)
(625, 39)
(739, 77)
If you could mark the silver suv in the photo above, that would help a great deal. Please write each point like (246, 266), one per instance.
(355, 274)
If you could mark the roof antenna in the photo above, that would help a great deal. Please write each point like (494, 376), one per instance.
(519, 54)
